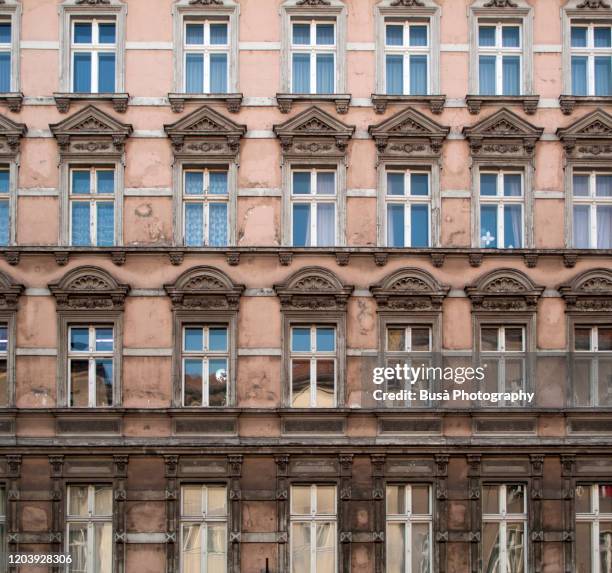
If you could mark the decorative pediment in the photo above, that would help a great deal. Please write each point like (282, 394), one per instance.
(504, 290)
(205, 2)
(9, 292)
(592, 4)
(591, 135)
(10, 136)
(205, 131)
(89, 288)
(313, 3)
(204, 288)
(409, 289)
(91, 131)
(503, 134)
(313, 288)
(409, 133)
(500, 6)
(314, 132)
(589, 291)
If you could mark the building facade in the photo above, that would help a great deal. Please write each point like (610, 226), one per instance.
(219, 217)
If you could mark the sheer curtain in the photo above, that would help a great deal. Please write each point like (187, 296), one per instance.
(301, 225)
(325, 74)
(418, 75)
(82, 72)
(301, 73)
(582, 225)
(4, 222)
(105, 224)
(603, 76)
(395, 225)
(419, 226)
(80, 224)
(194, 224)
(194, 183)
(487, 75)
(513, 224)
(511, 68)
(217, 217)
(5, 72)
(603, 186)
(326, 183)
(194, 74)
(604, 226)
(106, 72)
(488, 226)
(218, 183)
(579, 75)
(218, 73)
(395, 75)
(326, 224)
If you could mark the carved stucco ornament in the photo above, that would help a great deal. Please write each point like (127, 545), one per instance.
(10, 136)
(313, 288)
(409, 289)
(9, 292)
(591, 135)
(504, 290)
(500, 4)
(593, 4)
(589, 292)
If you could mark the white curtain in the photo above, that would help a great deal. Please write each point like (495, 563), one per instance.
(603, 76)
(604, 226)
(581, 226)
(326, 183)
(513, 224)
(579, 75)
(511, 75)
(301, 73)
(487, 75)
(326, 224)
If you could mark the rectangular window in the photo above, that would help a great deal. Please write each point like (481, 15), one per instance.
(501, 210)
(205, 365)
(206, 53)
(592, 210)
(94, 55)
(206, 207)
(90, 366)
(313, 366)
(313, 57)
(409, 529)
(92, 207)
(203, 529)
(593, 528)
(313, 529)
(5, 217)
(89, 528)
(592, 365)
(6, 45)
(500, 52)
(504, 528)
(408, 209)
(3, 522)
(591, 59)
(4, 348)
(503, 350)
(407, 57)
(313, 211)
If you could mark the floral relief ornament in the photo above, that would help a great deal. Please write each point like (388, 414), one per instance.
(594, 4)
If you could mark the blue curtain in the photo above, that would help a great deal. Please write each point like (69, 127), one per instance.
(218, 182)
(513, 225)
(106, 73)
(217, 217)
(325, 74)
(395, 225)
(5, 72)
(106, 225)
(194, 74)
(488, 226)
(395, 35)
(603, 76)
(580, 186)
(418, 36)
(218, 34)
(301, 182)
(419, 184)
(4, 181)
(395, 75)
(83, 33)
(194, 35)
(579, 75)
(81, 183)
(4, 222)
(194, 224)
(106, 182)
(511, 70)
(301, 225)
(194, 183)
(326, 224)
(512, 185)
(325, 34)
(419, 226)
(301, 34)
(418, 75)
(511, 37)
(80, 224)
(579, 37)
(301, 73)
(82, 72)
(107, 33)
(486, 36)
(582, 227)
(218, 73)
(487, 75)
(395, 184)
(488, 184)
(5, 33)
(603, 37)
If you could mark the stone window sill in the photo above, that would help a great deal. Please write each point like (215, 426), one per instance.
(285, 101)
(13, 100)
(476, 102)
(435, 102)
(63, 101)
(178, 100)
(570, 102)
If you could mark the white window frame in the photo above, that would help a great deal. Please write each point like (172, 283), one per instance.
(8, 197)
(501, 201)
(503, 518)
(408, 200)
(594, 355)
(408, 519)
(205, 356)
(592, 201)
(313, 199)
(8, 47)
(313, 355)
(594, 518)
(91, 355)
(313, 49)
(499, 51)
(590, 51)
(313, 519)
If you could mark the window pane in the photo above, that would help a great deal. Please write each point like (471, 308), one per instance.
(301, 34)
(605, 338)
(326, 339)
(5, 33)
(488, 226)
(194, 73)
(218, 34)
(194, 183)
(396, 339)
(218, 182)
(603, 37)
(490, 499)
(419, 184)
(583, 548)
(5, 72)
(83, 33)
(395, 35)
(418, 36)
(194, 339)
(420, 547)
(81, 182)
(325, 34)
(326, 500)
(194, 224)
(301, 183)
(4, 181)
(490, 548)
(420, 339)
(300, 339)
(326, 183)
(301, 73)
(82, 73)
(603, 76)
(103, 548)
(486, 36)
(80, 224)
(79, 383)
(106, 73)
(489, 339)
(395, 226)
(107, 33)
(300, 383)
(301, 225)
(217, 501)
(580, 185)
(103, 500)
(604, 388)
(300, 547)
(604, 226)
(395, 75)
(515, 498)
(605, 499)
(77, 546)
(511, 37)
(216, 547)
(419, 226)
(582, 339)
(4, 223)
(487, 75)
(3, 338)
(514, 339)
(396, 548)
(512, 185)
(104, 339)
(511, 75)
(105, 182)
(579, 75)
(583, 499)
(579, 37)
(488, 184)
(218, 73)
(218, 224)
(326, 554)
(104, 382)
(515, 536)
(513, 226)
(325, 389)
(218, 339)
(79, 339)
(192, 500)
(582, 226)
(325, 74)
(326, 224)
(420, 500)
(105, 225)
(300, 500)
(217, 382)
(396, 500)
(77, 500)
(193, 383)
(418, 75)
(603, 186)
(395, 184)
(191, 548)
(194, 34)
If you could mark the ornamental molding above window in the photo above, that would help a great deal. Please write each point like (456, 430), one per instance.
(503, 134)
(89, 288)
(587, 5)
(589, 291)
(10, 292)
(93, 3)
(204, 288)
(91, 132)
(409, 133)
(504, 290)
(314, 132)
(590, 136)
(205, 131)
(409, 290)
(313, 288)
(503, 7)
(10, 136)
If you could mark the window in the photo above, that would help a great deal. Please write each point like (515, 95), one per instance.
(5, 217)
(203, 529)
(313, 529)
(90, 357)
(206, 54)
(501, 210)
(593, 528)
(409, 529)
(313, 210)
(3, 522)
(4, 370)
(499, 59)
(408, 209)
(504, 528)
(592, 210)
(205, 203)
(205, 365)
(503, 356)
(313, 366)
(592, 368)
(591, 58)
(92, 206)
(6, 45)
(313, 57)
(407, 52)
(94, 55)
(89, 528)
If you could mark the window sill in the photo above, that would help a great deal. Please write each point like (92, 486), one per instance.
(435, 102)
(570, 102)
(178, 100)
(13, 100)
(63, 101)
(285, 100)
(529, 102)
